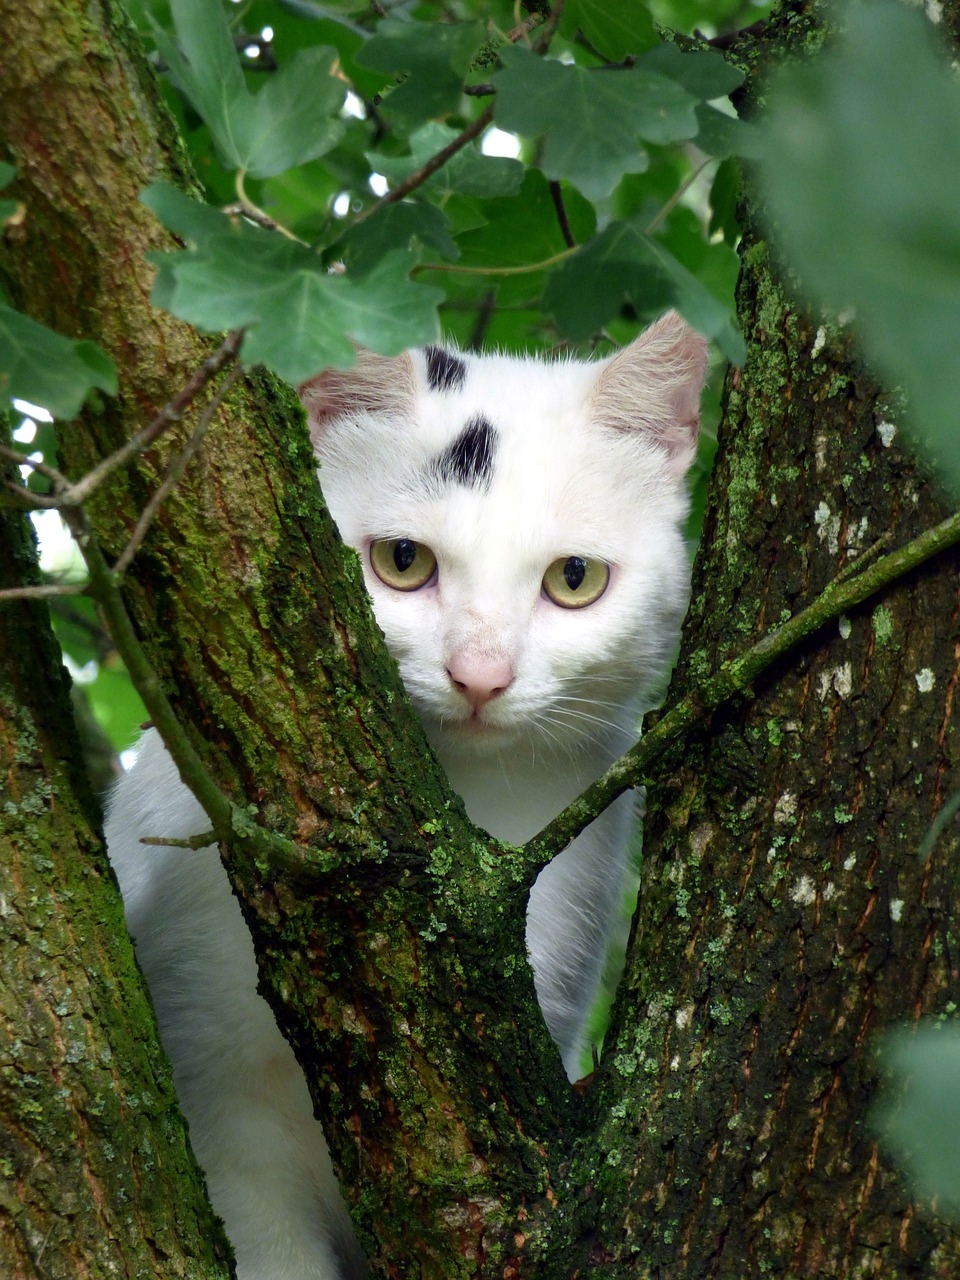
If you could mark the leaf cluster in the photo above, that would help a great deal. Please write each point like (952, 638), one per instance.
(352, 197)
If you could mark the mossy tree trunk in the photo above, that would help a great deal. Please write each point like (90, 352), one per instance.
(406, 962)
(97, 1176)
(784, 916)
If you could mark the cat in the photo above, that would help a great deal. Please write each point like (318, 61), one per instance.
(520, 529)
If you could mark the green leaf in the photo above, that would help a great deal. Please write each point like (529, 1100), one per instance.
(47, 369)
(591, 119)
(290, 121)
(187, 218)
(402, 225)
(435, 57)
(862, 175)
(7, 207)
(921, 1124)
(468, 173)
(300, 317)
(703, 73)
(293, 117)
(616, 30)
(723, 135)
(724, 193)
(625, 265)
(521, 230)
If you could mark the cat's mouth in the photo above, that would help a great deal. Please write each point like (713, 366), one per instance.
(477, 727)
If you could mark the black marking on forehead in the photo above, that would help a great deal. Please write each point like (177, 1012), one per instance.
(445, 371)
(469, 459)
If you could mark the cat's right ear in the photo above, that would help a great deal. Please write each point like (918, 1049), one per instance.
(374, 384)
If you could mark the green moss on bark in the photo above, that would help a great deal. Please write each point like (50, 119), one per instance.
(97, 1175)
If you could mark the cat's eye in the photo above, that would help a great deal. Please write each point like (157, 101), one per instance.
(402, 563)
(574, 581)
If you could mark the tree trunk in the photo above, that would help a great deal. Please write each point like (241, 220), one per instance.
(403, 957)
(97, 1175)
(784, 916)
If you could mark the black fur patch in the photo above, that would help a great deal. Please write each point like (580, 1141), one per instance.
(469, 459)
(445, 372)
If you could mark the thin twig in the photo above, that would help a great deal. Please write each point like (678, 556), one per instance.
(484, 316)
(42, 468)
(523, 26)
(556, 194)
(254, 213)
(45, 592)
(171, 412)
(866, 557)
(191, 842)
(545, 34)
(229, 822)
(430, 168)
(175, 471)
(520, 32)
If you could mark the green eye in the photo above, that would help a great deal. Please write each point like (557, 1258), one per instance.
(573, 581)
(402, 563)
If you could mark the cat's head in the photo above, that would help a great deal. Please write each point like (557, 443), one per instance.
(519, 525)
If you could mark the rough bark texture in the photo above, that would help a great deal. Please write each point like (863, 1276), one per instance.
(785, 919)
(784, 916)
(408, 966)
(97, 1175)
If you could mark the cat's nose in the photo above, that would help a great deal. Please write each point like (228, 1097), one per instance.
(480, 679)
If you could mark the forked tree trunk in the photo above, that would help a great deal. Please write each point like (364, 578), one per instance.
(784, 916)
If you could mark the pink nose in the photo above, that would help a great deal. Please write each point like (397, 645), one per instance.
(480, 679)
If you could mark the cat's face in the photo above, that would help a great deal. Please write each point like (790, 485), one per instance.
(519, 528)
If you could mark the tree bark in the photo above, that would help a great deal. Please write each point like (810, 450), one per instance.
(98, 1178)
(785, 919)
(784, 916)
(407, 963)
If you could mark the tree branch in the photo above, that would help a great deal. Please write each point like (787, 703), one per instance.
(176, 470)
(430, 168)
(556, 195)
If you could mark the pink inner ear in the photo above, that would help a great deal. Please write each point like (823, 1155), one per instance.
(654, 386)
(375, 384)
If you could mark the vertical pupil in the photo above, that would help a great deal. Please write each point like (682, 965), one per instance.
(404, 554)
(574, 571)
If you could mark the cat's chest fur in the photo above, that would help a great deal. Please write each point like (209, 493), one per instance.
(519, 527)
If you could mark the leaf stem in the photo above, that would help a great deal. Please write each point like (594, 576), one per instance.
(247, 209)
(677, 195)
(526, 269)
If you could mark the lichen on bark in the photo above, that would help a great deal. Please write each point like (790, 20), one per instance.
(97, 1173)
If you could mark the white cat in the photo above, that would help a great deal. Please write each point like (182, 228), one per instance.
(519, 525)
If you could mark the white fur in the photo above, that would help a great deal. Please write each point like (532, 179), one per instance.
(588, 461)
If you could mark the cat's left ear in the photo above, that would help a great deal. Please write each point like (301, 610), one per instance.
(654, 386)
(374, 384)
